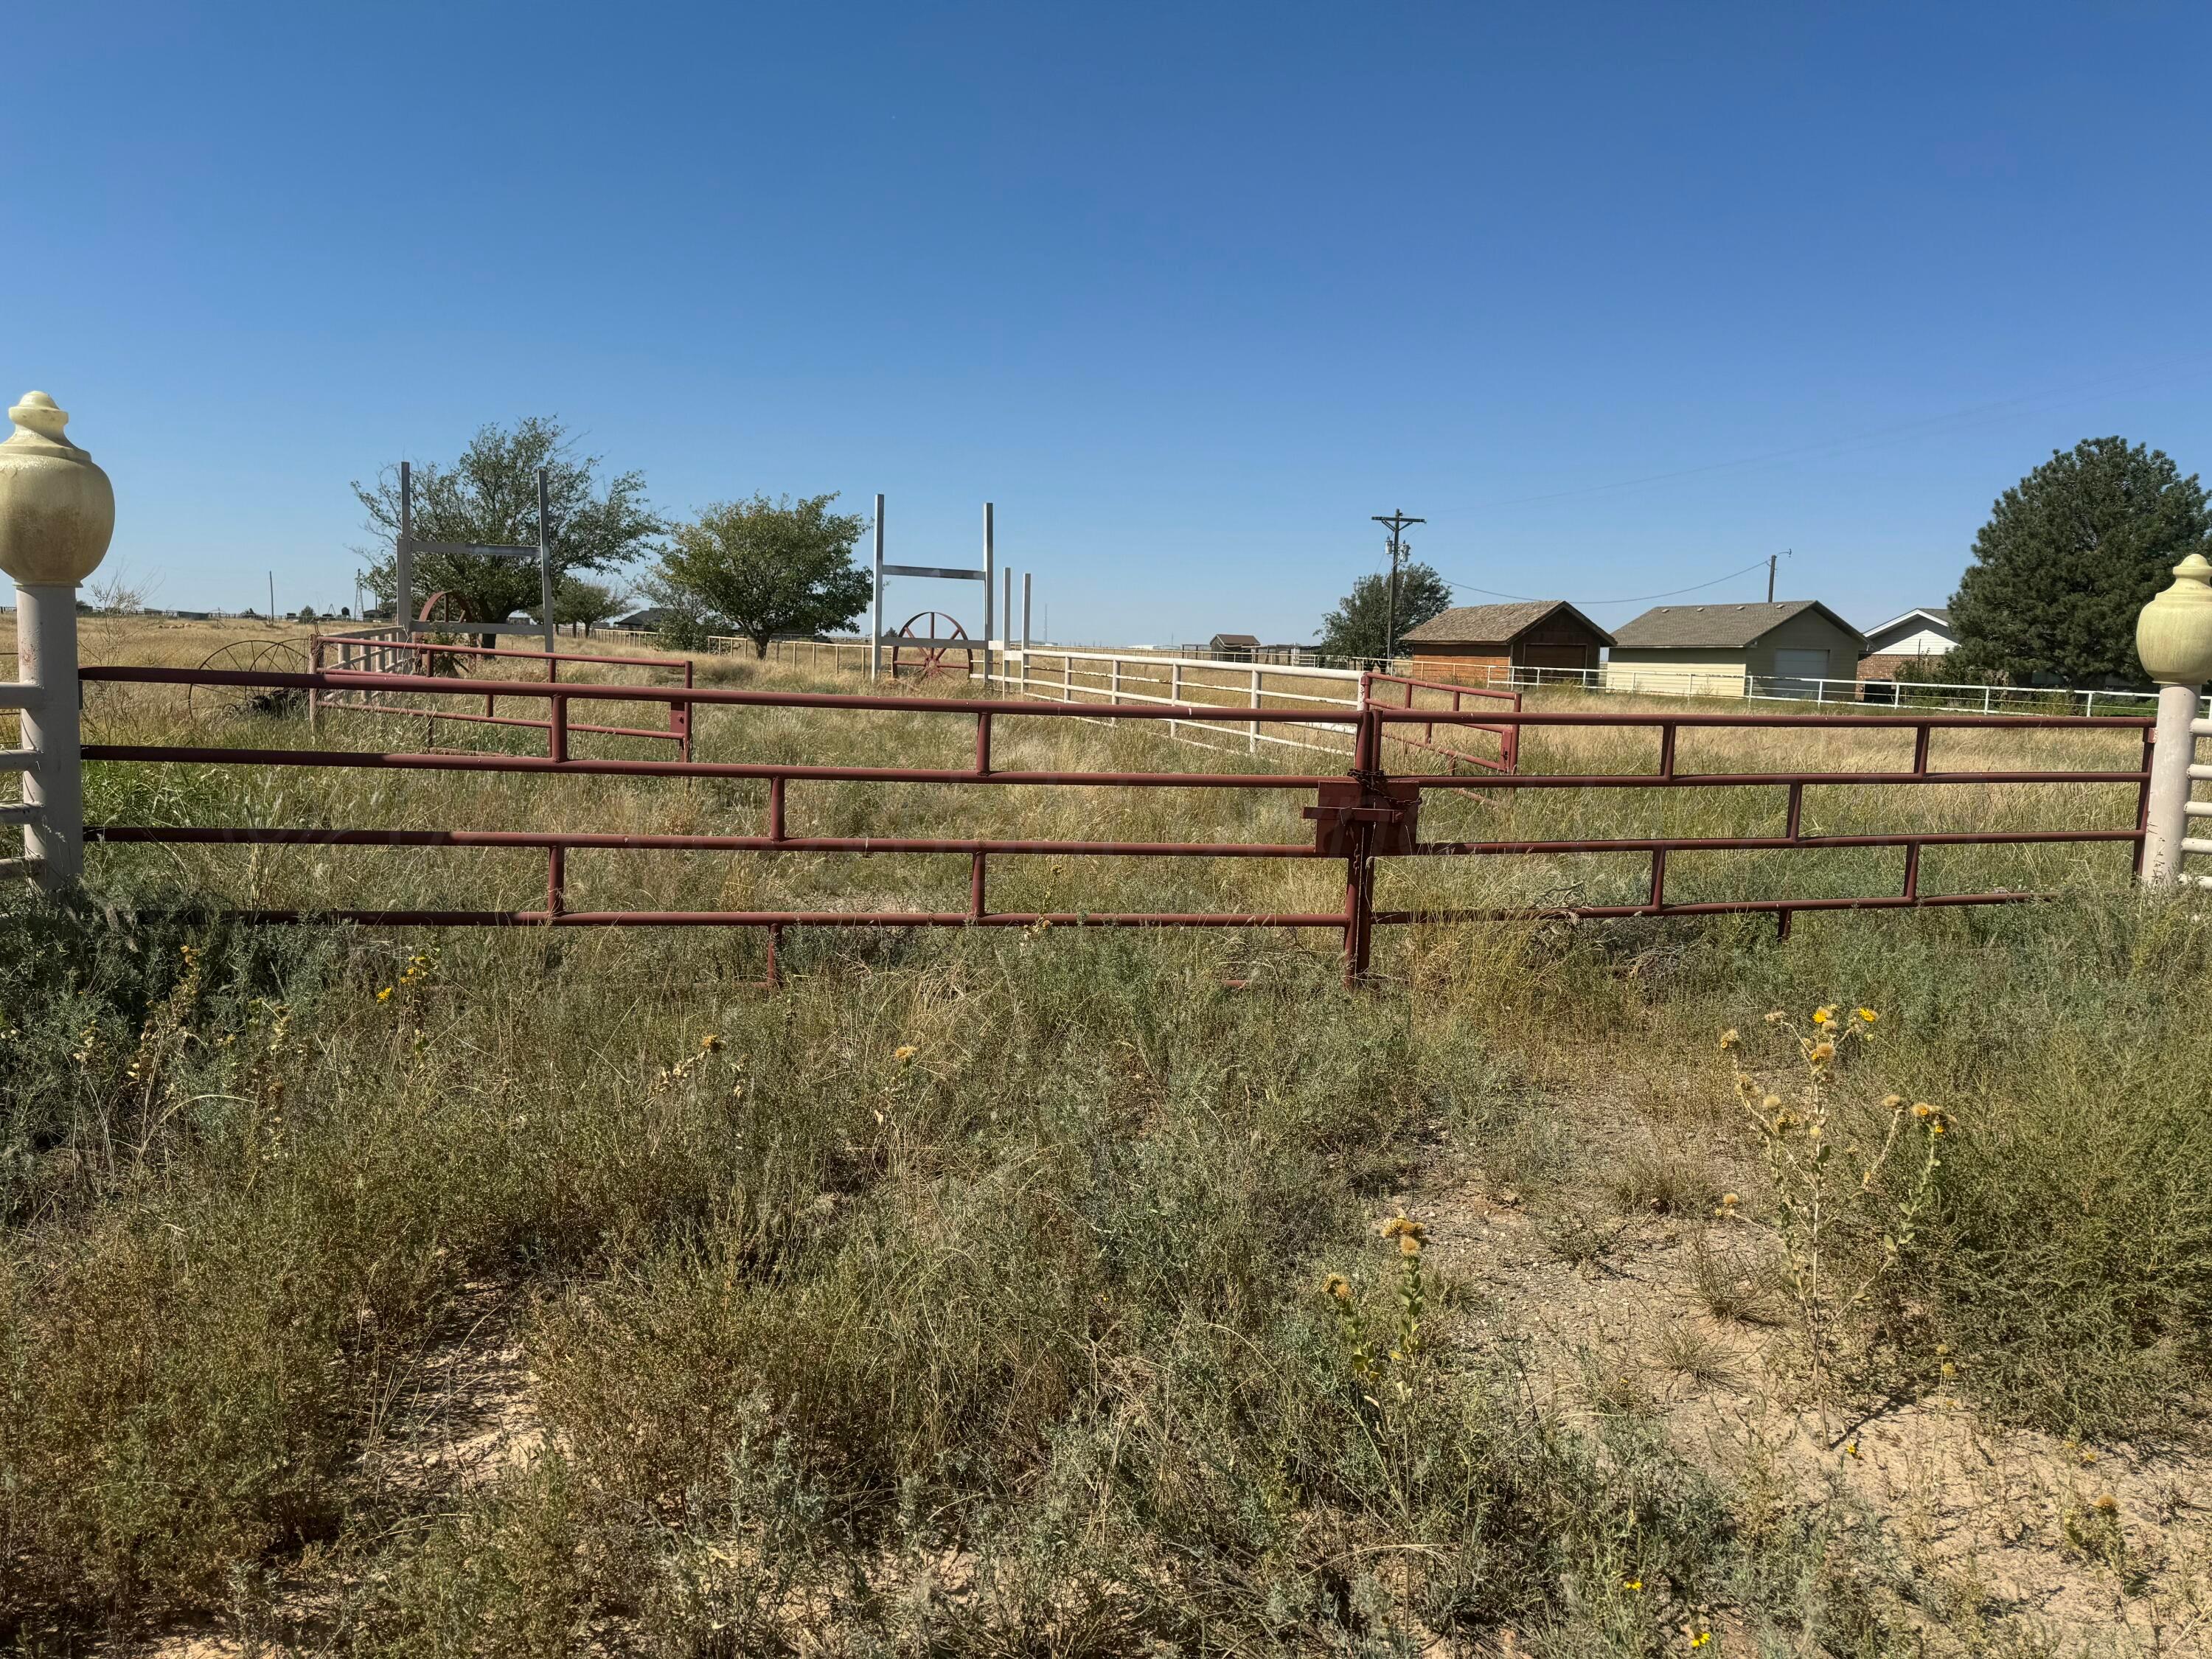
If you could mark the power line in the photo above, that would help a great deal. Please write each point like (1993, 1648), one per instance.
(1633, 598)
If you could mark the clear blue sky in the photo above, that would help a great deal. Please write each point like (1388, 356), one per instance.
(1189, 291)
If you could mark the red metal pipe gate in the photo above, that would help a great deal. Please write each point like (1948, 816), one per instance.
(1360, 818)
(353, 651)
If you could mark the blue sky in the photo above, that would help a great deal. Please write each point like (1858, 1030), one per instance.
(1620, 298)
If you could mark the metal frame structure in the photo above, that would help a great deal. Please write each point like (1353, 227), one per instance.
(1508, 757)
(1361, 817)
(406, 544)
(939, 573)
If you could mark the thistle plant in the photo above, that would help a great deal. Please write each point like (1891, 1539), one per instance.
(1395, 1362)
(1816, 1183)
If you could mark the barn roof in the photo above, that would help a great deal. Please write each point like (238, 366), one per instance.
(1729, 627)
(1482, 624)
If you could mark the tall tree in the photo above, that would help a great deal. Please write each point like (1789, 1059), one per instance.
(489, 495)
(766, 566)
(575, 600)
(2070, 554)
(1356, 627)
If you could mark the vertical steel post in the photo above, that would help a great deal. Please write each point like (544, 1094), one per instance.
(402, 556)
(1359, 873)
(976, 861)
(875, 624)
(990, 564)
(1006, 616)
(1025, 633)
(1252, 727)
(544, 565)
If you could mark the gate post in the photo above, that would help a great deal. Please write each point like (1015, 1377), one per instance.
(2174, 638)
(57, 513)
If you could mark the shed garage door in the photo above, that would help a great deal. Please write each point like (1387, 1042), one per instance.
(1797, 670)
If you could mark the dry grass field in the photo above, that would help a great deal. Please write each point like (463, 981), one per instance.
(1035, 1291)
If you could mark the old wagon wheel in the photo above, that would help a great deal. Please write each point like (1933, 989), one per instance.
(213, 705)
(926, 658)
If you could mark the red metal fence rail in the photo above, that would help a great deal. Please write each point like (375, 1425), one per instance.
(355, 653)
(1360, 818)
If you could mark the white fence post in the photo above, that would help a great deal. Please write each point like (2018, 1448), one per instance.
(2174, 638)
(57, 513)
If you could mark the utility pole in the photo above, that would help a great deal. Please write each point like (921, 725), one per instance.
(1771, 558)
(1397, 522)
(272, 596)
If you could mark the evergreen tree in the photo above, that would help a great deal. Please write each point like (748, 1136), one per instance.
(2070, 554)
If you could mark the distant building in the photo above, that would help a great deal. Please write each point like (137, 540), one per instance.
(1234, 648)
(646, 621)
(1920, 637)
(1715, 649)
(1480, 643)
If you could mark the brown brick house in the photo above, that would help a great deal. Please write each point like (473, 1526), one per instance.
(1479, 643)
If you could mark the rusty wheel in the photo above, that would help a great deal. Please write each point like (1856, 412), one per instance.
(922, 660)
(217, 705)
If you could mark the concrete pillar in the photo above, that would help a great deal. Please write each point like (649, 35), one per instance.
(2174, 638)
(56, 515)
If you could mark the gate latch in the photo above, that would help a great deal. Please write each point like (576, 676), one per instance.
(1392, 812)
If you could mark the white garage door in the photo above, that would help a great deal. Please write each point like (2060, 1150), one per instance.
(1798, 670)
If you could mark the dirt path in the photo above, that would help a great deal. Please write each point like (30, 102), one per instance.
(2003, 1541)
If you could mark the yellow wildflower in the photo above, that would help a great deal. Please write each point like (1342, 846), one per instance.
(1700, 1639)
(904, 1051)
(1824, 1016)
(1409, 1244)
(1399, 1226)
(1866, 1015)
(1851, 1449)
(1728, 1039)
(711, 1043)
(1631, 1583)
(385, 995)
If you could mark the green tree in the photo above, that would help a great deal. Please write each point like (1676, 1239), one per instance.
(2070, 554)
(1355, 628)
(766, 568)
(489, 495)
(575, 600)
